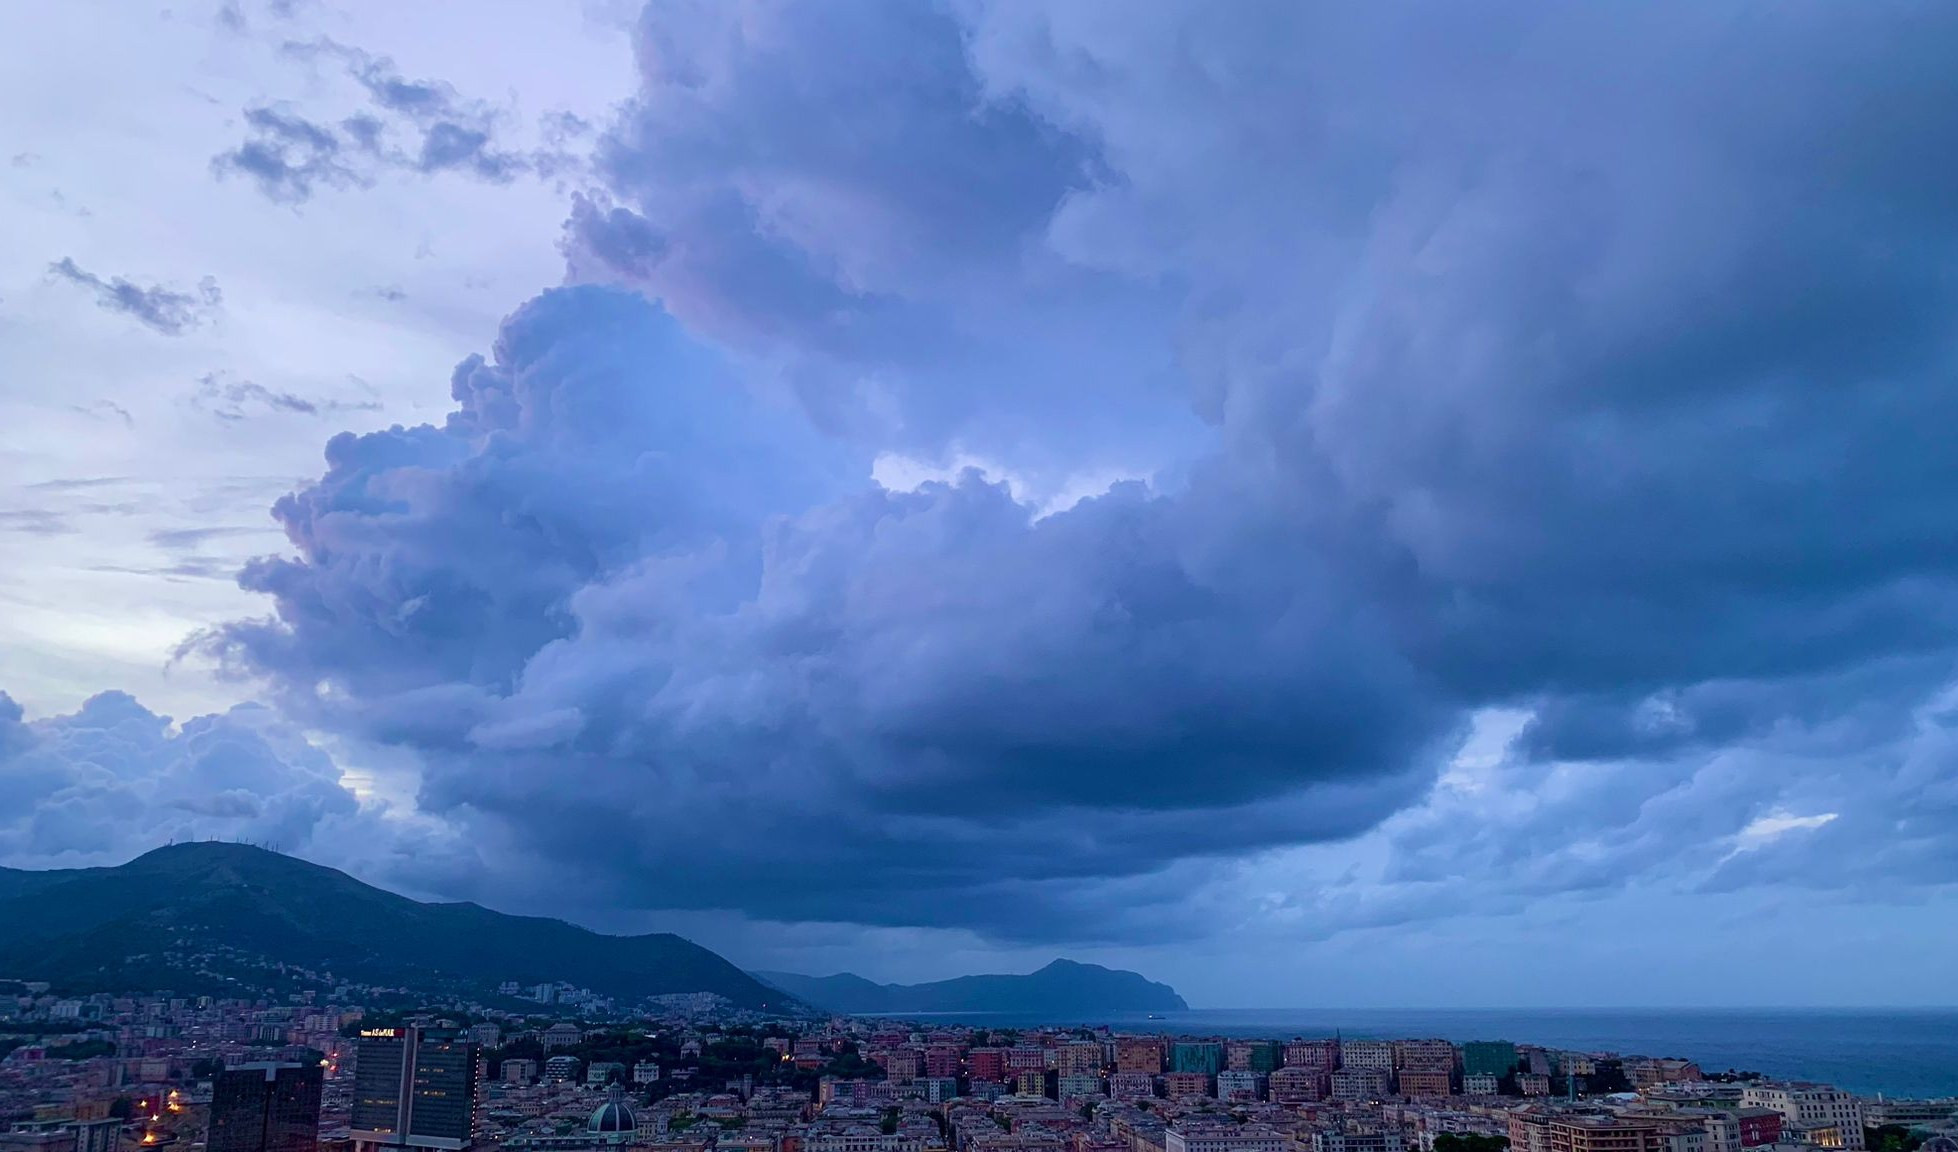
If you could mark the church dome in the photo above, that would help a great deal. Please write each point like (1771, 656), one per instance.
(612, 1116)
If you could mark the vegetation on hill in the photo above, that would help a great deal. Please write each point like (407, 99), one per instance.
(226, 918)
(1058, 990)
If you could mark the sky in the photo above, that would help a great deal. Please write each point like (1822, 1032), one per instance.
(1324, 505)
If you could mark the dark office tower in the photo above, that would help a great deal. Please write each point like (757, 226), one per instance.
(265, 1108)
(414, 1088)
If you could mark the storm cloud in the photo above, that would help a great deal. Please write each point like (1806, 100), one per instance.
(1587, 366)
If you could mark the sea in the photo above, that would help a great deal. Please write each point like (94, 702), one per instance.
(1887, 1052)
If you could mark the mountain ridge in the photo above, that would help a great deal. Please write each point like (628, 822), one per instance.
(209, 915)
(1062, 988)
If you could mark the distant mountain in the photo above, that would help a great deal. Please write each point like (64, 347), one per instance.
(211, 917)
(1062, 990)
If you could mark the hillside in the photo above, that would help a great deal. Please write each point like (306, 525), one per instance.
(1063, 990)
(211, 917)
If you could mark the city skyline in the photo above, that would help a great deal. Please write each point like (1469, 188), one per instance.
(1318, 505)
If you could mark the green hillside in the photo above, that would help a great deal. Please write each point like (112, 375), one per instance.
(1062, 991)
(211, 917)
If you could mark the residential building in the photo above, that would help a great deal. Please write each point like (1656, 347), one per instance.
(1250, 1056)
(1488, 1058)
(986, 1064)
(1078, 1057)
(903, 1064)
(1424, 1054)
(1359, 1137)
(1815, 1110)
(1648, 1073)
(1078, 1085)
(414, 1088)
(104, 1134)
(1758, 1127)
(1185, 1085)
(1203, 1056)
(1299, 1084)
(1312, 1054)
(1683, 1135)
(1545, 1129)
(1139, 1054)
(645, 1072)
(944, 1060)
(1481, 1084)
(1131, 1085)
(561, 1035)
(1240, 1085)
(1426, 1082)
(1910, 1113)
(562, 1069)
(859, 1138)
(1377, 1054)
(1030, 1082)
(938, 1089)
(518, 1070)
(1533, 1083)
(1224, 1138)
(271, 1107)
(1359, 1084)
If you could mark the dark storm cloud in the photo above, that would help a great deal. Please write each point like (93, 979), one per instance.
(839, 680)
(160, 308)
(867, 220)
(1581, 361)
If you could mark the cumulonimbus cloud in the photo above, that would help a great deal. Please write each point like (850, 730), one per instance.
(1567, 361)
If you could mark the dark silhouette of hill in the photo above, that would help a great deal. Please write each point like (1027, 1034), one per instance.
(211, 917)
(1063, 990)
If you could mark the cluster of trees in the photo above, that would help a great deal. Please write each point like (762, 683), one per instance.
(1892, 1138)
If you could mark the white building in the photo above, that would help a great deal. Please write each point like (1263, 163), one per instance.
(1244, 1138)
(1359, 1138)
(1367, 1054)
(1361, 1084)
(1812, 1107)
(1240, 1086)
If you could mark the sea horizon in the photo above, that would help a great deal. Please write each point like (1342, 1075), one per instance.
(1889, 1052)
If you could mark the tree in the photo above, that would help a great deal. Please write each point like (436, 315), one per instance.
(1892, 1138)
